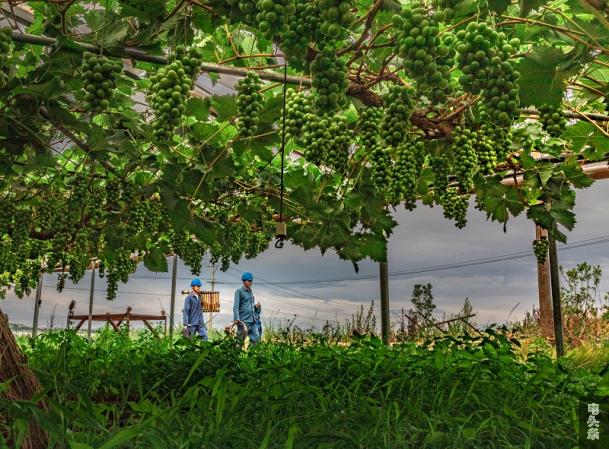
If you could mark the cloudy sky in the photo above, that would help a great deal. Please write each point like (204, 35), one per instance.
(287, 281)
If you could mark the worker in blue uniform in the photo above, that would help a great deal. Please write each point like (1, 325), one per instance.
(245, 307)
(193, 312)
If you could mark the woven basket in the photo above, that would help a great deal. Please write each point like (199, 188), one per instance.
(235, 328)
(210, 301)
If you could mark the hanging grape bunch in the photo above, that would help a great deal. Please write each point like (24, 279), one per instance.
(465, 158)
(483, 59)
(540, 249)
(315, 135)
(169, 90)
(398, 109)
(552, 119)
(381, 169)
(329, 78)
(302, 27)
(455, 206)
(118, 270)
(7, 213)
(297, 106)
(272, 16)
(441, 168)
(337, 151)
(336, 17)
(100, 75)
(249, 104)
(6, 49)
(447, 7)
(191, 59)
(426, 58)
(485, 150)
(405, 173)
(78, 256)
(369, 127)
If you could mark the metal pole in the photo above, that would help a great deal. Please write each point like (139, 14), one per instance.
(555, 281)
(37, 302)
(91, 294)
(545, 295)
(385, 327)
(213, 289)
(174, 275)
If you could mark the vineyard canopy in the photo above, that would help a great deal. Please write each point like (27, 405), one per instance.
(123, 136)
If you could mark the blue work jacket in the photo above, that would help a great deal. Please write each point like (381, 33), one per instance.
(244, 309)
(193, 313)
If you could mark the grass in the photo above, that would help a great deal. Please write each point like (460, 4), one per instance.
(123, 391)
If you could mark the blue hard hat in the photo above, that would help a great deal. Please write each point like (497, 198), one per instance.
(196, 282)
(247, 276)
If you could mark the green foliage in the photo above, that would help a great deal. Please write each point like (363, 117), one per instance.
(146, 392)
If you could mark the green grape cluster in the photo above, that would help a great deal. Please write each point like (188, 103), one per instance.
(483, 59)
(143, 216)
(249, 103)
(315, 135)
(441, 167)
(406, 170)
(193, 257)
(369, 126)
(398, 109)
(503, 140)
(169, 90)
(540, 249)
(426, 57)
(465, 157)
(6, 48)
(272, 16)
(329, 78)
(455, 206)
(552, 119)
(191, 59)
(337, 146)
(297, 106)
(336, 17)
(118, 270)
(7, 213)
(49, 214)
(100, 75)
(301, 29)
(78, 257)
(485, 147)
(381, 169)
(21, 231)
(257, 243)
(144, 9)
(447, 7)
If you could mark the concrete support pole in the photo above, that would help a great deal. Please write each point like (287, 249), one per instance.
(555, 281)
(545, 294)
(37, 302)
(174, 277)
(385, 324)
(91, 295)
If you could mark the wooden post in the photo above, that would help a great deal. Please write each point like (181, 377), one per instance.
(545, 294)
(555, 281)
(91, 295)
(174, 275)
(37, 302)
(384, 278)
